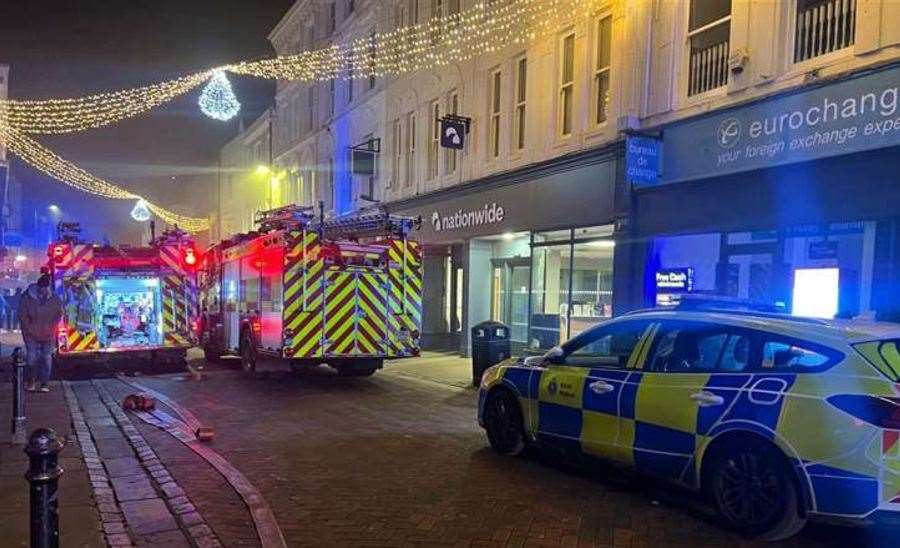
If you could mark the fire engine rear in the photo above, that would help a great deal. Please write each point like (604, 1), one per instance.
(344, 291)
(125, 304)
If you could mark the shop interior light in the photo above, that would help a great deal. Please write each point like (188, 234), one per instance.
(816, 292)
(508, 236)
(606, 244)
(21, 258)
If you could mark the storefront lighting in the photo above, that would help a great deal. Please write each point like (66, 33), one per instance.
(21, 258)
(508, 236)
(605, 244)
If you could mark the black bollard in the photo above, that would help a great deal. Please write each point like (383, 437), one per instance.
(18, 386)
(43, 474)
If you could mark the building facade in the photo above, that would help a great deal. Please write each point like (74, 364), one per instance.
(537, 221)
(777, 124)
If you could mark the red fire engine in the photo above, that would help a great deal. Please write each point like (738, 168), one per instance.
(344, 291)
(123, 301)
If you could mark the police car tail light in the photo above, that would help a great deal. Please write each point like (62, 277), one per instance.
(880, 411)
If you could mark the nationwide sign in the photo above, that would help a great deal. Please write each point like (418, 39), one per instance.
(486, 215)
(851, 115)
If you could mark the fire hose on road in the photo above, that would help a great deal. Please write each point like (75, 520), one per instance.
(188, 429)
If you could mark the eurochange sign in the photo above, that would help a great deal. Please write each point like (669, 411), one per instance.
(851, 115)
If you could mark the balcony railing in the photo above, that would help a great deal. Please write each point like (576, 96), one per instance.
(823, 27)
(708, 63)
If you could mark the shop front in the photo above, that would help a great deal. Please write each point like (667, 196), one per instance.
(793, 201)
(533, 249)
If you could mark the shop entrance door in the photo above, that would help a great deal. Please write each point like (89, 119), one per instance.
(509, 295)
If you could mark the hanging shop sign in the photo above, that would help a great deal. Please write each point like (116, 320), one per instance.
(453, 131)
(854, 114)
(642, 154)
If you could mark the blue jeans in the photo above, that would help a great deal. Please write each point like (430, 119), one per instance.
(39, 361)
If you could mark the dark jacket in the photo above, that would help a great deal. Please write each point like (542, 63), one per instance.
(39, 318)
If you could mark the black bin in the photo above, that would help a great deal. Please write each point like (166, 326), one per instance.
(490, 345)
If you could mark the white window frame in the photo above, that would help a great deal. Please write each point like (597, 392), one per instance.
(566, 89)
(397, 146)
(520, 103)
(434, 139)
(495, 98)
(601, 71)
(410, 167)
(712, 92)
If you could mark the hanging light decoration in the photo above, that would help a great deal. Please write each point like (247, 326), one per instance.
(141, 213)
(217, 100)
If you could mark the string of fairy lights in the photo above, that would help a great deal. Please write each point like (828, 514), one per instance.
(438, 42)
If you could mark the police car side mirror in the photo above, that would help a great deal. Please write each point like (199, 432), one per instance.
(555, 355)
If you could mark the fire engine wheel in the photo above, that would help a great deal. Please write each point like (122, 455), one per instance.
(248, 355)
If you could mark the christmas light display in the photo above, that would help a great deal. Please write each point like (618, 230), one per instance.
(32, 152)
(141, 213)
(217, 100)
(482, 29)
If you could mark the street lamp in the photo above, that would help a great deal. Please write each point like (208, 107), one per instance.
(53, 208)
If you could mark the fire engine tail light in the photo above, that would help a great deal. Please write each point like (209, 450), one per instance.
(256, 326)
(62, 338)
(57, 253)
(190, 257)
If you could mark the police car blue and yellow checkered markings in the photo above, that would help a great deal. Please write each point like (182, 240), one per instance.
(524, 379)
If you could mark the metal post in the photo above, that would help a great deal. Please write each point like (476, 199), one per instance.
(43, 475)
(18, 414)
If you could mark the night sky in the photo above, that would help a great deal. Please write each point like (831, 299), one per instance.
(70, 48)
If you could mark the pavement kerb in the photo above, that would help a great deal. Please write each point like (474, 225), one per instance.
(189, 518)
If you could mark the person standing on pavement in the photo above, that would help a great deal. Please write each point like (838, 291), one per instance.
(40, 312)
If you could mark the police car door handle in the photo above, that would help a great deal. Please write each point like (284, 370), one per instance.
(707, 399)
(601, 387)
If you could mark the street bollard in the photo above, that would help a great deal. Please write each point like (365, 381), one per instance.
(43, 474)
(18, 386)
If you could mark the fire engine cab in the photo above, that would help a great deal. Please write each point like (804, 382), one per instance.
(123, 302)
(344, 291)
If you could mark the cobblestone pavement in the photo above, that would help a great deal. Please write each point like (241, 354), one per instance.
(398, 460)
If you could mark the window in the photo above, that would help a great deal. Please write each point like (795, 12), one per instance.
(691, 348)
(709, 33)
(494, 128)
(349, 86)
(607, 345)
(434, 138)
(823, 26)
(396, 149)
(566, 85)
(602, 69)
(450, 153)
(331, 94)
(410, 149)
(791, 357)
(521, 88)
(332, 17)
(372, 60)
(310, 109)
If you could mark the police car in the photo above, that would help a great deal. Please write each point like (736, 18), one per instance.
(777, 419)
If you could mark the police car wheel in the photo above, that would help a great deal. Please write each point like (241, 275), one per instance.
(503, 422)
(754, 491)
(248, 355)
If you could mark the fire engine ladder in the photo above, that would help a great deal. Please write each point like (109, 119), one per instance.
(368, 225)
(289, 216)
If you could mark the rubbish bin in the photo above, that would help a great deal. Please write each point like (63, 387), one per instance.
(490, 345)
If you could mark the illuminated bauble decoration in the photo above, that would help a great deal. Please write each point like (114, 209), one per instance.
(217, 100)
(140, 213)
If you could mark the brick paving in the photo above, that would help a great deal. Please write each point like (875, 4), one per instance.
(392, 460)
(79, 517)
(398, 460)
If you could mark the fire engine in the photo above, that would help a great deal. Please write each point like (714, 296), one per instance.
(138, 303)
(345, 291)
